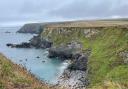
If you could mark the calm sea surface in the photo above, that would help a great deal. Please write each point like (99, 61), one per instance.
(43, 68)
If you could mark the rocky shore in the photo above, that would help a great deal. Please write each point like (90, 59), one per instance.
(22, 45)
(74, 41)
(75, 79)
(75, 75)
(34, 42)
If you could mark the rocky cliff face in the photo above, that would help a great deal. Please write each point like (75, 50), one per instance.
(31, 28)
(99, 53)
(108, 59)
(65, 35)
(68, 45)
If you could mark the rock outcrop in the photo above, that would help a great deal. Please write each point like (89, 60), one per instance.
(58, 37)
(124, 56)
(22, 45)
(75, 76)
(79, 63)
(31, 28)
(34, 42)
(37, 42)
(64, 52)
(61, 52)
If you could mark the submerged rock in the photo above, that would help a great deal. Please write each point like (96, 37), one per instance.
(7, 32)
(43, 61)
(37, 57)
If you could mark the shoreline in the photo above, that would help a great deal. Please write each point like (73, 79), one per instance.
(85, 48)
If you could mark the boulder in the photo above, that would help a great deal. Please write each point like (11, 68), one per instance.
(80, 63)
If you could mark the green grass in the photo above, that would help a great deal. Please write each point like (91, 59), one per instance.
(104, 64)
(65, 36)
(13, 76)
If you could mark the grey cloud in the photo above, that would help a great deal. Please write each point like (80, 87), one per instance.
(89, 8)
(53, 10)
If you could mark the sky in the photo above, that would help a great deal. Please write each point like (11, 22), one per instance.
(16, 12)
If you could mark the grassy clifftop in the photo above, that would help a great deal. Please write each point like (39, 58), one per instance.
(14, 77)
(108, 62)
(106, 65)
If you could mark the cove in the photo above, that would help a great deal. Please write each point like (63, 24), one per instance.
(43, 68)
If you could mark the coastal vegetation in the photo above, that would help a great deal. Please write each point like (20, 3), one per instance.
(108, 61)
(107, 67)
(13, 76)
(102, 47)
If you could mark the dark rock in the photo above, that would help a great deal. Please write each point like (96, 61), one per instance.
(9, 44)
(21, 60)
(76, 55)
(7, 32)
(79, 63)
(43, 61)
(65, 52)
(22, 45)
(40, 43)
(35, 41)
(31, 28)
(46, 44)
(61, 52)
(37, 57)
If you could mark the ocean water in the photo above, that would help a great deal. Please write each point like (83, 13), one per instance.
(43, 68)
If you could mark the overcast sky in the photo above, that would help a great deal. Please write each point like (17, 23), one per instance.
(24, 11)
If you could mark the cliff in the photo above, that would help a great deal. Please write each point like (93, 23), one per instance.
(13, 76)
(38, 27)
(108, 41)
(98, 51)
(31, 28)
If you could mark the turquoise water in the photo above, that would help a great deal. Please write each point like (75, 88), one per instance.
(43, 68)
